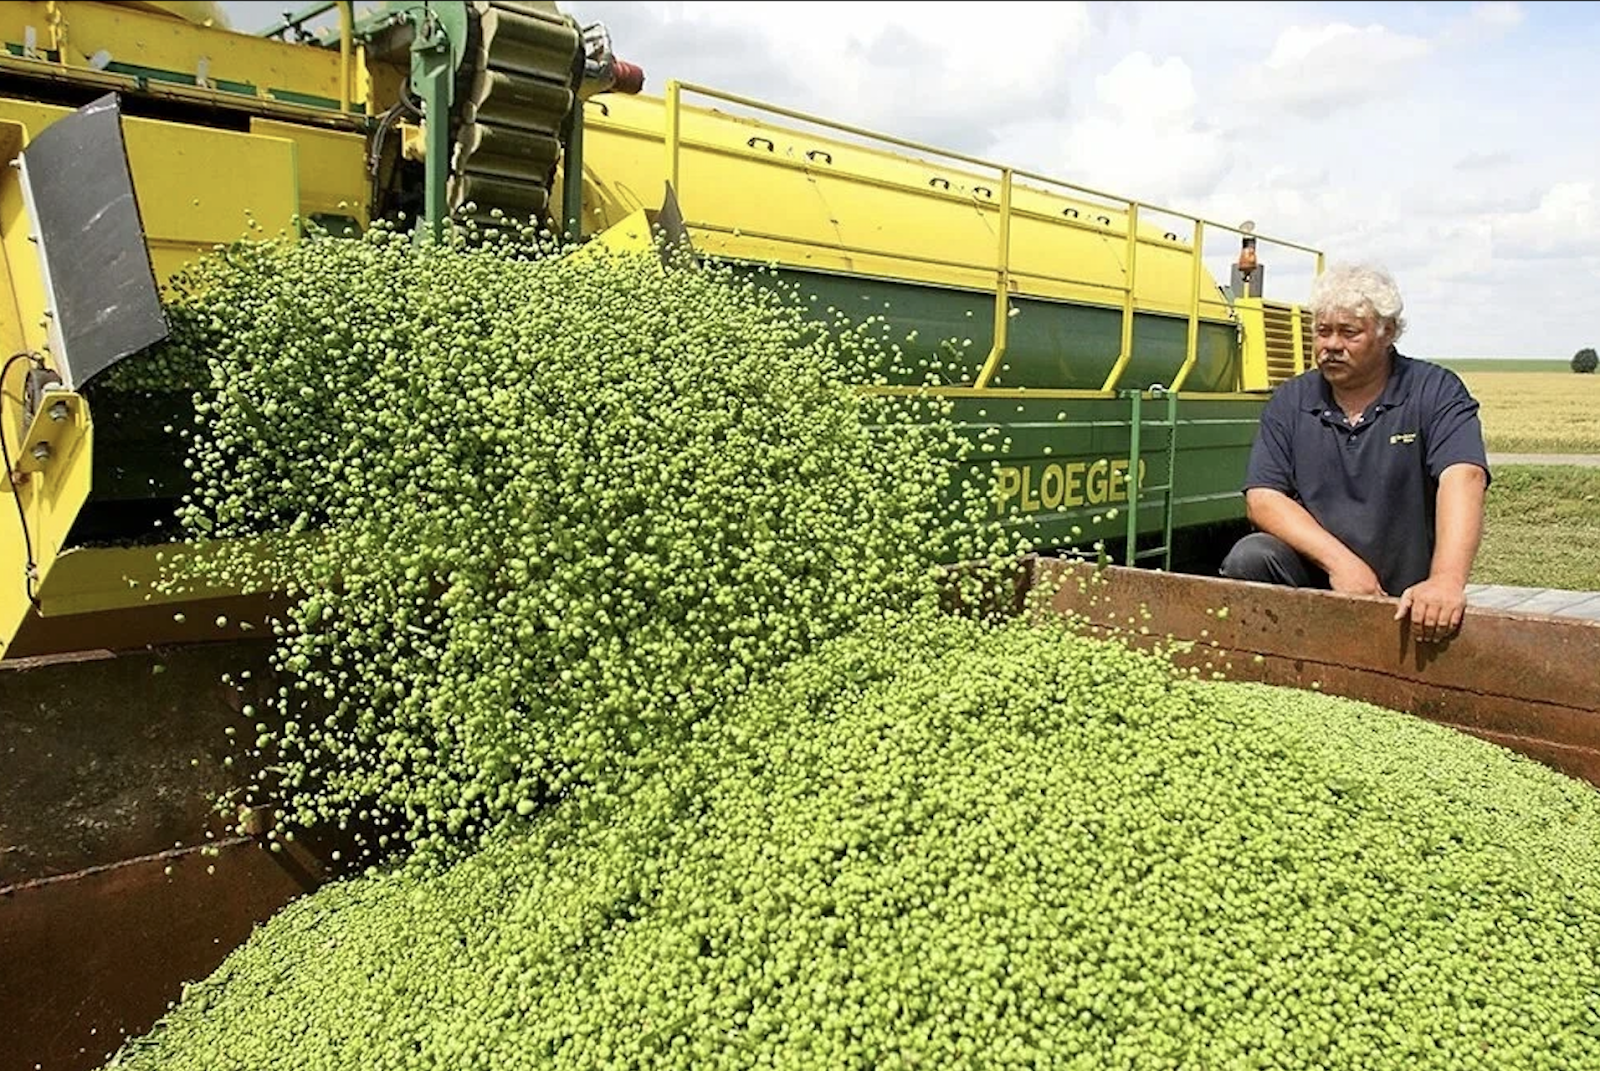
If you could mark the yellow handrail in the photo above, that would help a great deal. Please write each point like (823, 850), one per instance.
(346, 34)
(674, 103)
(1132, 272)
(1192, 353)
(1297, 331)
(1002, 295)
(977, 161)
(913, 258)
(1003, 273)
(931, 193)
(56, 19)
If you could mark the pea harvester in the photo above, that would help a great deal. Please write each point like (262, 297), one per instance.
(1092, 333)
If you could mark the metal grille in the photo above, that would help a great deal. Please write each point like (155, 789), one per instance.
(1280, 319)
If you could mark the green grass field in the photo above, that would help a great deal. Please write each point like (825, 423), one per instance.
(1542, 528)
(1506, 364)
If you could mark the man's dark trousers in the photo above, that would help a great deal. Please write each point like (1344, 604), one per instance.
(1269, 560)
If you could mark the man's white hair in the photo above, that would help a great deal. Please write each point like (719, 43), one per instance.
(1363, 289)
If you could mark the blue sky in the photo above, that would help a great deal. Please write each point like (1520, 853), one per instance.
(1456, 143)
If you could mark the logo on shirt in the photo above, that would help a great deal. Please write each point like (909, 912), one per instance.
(1403, 437)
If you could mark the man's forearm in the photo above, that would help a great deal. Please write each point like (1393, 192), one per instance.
(1277, 514)
(1458, 522)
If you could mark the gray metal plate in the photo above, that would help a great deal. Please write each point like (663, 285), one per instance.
(101, 287)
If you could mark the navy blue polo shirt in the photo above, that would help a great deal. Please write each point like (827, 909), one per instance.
(1372, 485)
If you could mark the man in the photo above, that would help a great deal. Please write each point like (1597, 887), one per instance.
(1368, 472)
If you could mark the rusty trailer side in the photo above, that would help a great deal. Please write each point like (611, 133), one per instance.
(120, 880)
(1528, 682)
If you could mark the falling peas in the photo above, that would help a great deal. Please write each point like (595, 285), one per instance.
(618, 602)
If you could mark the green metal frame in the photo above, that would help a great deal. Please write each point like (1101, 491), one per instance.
(438, 46)
(447, 16)
(572, 177)
(433, 79)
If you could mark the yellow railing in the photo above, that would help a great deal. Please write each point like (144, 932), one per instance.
(1002, 300)
(75, 34)
(1192, 353)
(1003, 271)
(347, 21)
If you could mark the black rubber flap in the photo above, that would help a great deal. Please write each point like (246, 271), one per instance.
(97, 266)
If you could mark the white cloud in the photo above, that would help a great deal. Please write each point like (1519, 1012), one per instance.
(1473, 160)
(1300, 48)
(1482, 24)
(1144, 136)
(941, 75)
(1498, 15)
(1451, 198)
(1139, 89)
(1566, 223)
(1315, 69)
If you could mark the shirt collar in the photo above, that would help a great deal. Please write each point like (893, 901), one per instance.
(1398, 389)
(1395, 391)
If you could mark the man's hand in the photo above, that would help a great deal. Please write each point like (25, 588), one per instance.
(1437, 607)
(1438, 604)
(1277, 514)
(1352, 576)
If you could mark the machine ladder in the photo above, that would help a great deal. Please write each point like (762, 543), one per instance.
(1136, 491)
